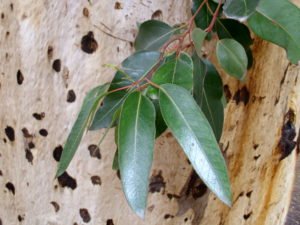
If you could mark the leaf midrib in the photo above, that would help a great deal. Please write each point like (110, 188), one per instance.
(203, 152)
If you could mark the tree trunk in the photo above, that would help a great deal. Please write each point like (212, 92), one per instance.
(52, 53)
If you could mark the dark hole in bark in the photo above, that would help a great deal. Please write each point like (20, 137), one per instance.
(88, 43)
(38, 116)
(249, 193)
(28, 155)
(10, 187)
(65, 180)
(55, 205)
(31, 145)
(96, 180)
(71, 97)
(10, 133)
(20, 218)
(157, 15)
(85, 215)
(109, 222)
(94, 151)
(43, 132)
(57, 153)
(20, 77)
(157, 182)
(26, 133)
(118, 5)
(246, 216)
(56, 65)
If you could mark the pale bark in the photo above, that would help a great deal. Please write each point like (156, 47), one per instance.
(30, 29)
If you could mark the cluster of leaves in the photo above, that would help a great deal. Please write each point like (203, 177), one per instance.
(160, 86)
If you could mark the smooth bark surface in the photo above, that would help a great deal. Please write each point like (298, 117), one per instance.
(51, 54)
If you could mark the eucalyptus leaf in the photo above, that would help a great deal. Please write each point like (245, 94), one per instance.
(136, 136)
(136, 66)
(240, 9)
(232, 57)
(160, 124)
(176, 70)
(152, 35)
(198, 36)
(89, 106)
(205, 16)
(208, 93)
(115, 165)
(193, 132)
(278, 22)
(229, 28)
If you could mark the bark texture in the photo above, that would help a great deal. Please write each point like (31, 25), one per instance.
(51, 54)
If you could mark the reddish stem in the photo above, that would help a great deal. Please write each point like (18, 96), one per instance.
(212, 23)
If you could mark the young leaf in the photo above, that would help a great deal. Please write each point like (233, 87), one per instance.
(176, 70)
(278, 22)
(193, 132)
(208, 92)
(240, 9)
(198, 36)
(232, 57)
(152, 35)
(135, 149)
(136, 66)
(89, 106)
(228, 28)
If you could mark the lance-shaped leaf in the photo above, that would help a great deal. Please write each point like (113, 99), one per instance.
(88, 108)
(135, 149)
(176, 70)
(240, 9)
(152, 35)
(228, 28)
(278, 22)
(198, 36)
(136, 66)
(193, 132)
(233, 58)
(208, 93)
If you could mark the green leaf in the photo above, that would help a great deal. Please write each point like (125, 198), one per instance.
(278, 22)
(198, 36)
(228, 28)
(152, 35)
(193, 132)
(160, 124)
(240, 9)
(208, 92)
(205, 16)
(176, 70)
(88, 108)
(115, 165)
(136, 66)
(135, 145)
(232, 57)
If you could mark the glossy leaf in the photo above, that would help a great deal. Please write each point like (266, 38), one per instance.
(204, 17)
(136, 66)
(193, 132)
(240, 9)
(229, 28)
(208, 93)
(135, 149)
(89, 106)
(160, 124)
(198, 36)
(278, 22)
(152, 35)
(176, 70)
(232, 57)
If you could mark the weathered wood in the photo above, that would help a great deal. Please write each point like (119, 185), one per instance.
(42, 60)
